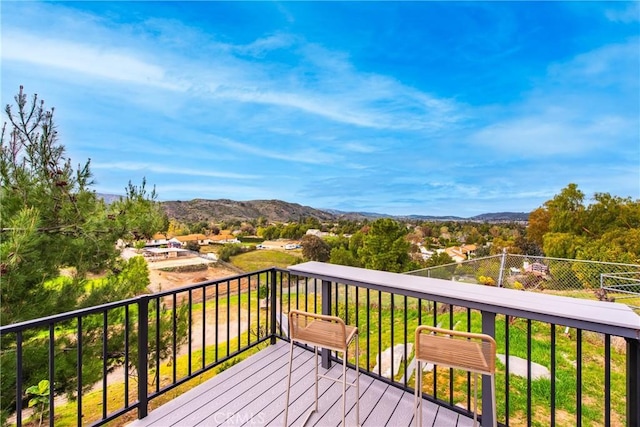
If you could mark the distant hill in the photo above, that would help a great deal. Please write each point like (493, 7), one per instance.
(279, 211)
(501, 216)
(228, 210)
(108, 198)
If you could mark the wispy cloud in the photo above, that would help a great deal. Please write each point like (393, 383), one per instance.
(628, 13)
(472, 107)
(173, 170)
(577, 108)
(84, 59)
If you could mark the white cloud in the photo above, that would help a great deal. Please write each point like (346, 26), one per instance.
(627, 15)
(82, 58)
(613, 64)
(583, 105)
(308, 155)
(549, 135)
(260, 47)
(134, 166)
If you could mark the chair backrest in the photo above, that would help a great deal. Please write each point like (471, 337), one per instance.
(317, 329)
(455, 349)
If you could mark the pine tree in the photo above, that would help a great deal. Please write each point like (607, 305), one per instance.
(51, 222)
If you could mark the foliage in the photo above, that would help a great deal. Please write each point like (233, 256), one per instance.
(40, 398)
(230, 250)
(566, 210)
(176, 228)
(293, 231)
(50, 220)
(139, 216)
(315, 249)
(500, 243)
(605, 230)
(538, 225)
(343, 256)
(486, 280)
(439, 258)
(525, 246)
(384, 247)
(193, 246)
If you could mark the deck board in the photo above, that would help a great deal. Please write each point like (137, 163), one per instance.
(252, 393)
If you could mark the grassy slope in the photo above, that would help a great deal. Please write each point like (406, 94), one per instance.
(261, 259)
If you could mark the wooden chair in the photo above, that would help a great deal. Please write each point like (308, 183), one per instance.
(459, 350)
(327, 332)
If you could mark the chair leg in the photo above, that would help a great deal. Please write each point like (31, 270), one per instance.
(344, 384)
(357, 380)
(417, 398)
(316, 382)
(286, 408)
(475, 400)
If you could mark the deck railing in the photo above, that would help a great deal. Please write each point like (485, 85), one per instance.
(590, 348)
(133, 351)
(153, 344)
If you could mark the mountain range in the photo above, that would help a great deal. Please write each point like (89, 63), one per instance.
(198, 210)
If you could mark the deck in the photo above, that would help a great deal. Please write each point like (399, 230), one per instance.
(252, 392)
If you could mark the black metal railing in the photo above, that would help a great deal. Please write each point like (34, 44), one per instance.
(145, 346)
(155, 343)
(589, 380)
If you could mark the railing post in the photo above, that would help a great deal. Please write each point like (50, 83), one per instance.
(502, 263)
(633, 382)
(489, 328)
(326, 309)
(272, 295)
(143, 343)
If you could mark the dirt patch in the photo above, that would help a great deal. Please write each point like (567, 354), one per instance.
(166, 280)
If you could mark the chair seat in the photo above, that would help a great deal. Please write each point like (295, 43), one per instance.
(325, 334)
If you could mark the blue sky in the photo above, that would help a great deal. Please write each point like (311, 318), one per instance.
(434, 108)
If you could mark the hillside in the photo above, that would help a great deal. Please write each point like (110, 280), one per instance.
(279, 211)
(228, 210)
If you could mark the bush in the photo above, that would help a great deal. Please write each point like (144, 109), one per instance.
(486, 280)
(228, 251)
(186, 268)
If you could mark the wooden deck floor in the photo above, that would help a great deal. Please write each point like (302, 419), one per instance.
(252, 392)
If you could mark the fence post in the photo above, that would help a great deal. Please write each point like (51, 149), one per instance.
(326, 309)
(143, 342)
(633, 382)
(489, 328)
(273, 313)
(502, 263)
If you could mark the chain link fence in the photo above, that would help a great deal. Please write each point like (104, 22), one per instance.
(569, 277)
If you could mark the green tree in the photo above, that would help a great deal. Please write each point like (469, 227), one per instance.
(271, 232)
(538, 225)
(315, 249)
(562, 245)
(605, 230)
(384, 247)
(566, 211)
(355, 243)
(439, 258)
(343, 256)
(51, 220)
(293, 231)
(229, 250)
